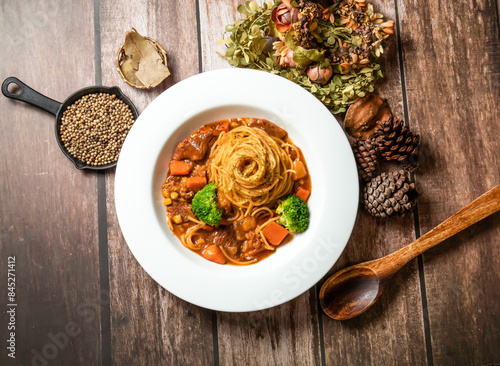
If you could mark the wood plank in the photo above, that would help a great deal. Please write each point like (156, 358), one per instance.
(214, 16)
(48, 210)
(391, 332)
(148, 324)
(451, 53)
(283, 335)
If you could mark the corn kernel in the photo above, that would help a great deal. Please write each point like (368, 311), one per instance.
(174, 195)
(177, 219)
(167, 201)
(165, 193)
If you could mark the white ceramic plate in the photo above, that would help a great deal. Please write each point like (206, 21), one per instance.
(143, 165)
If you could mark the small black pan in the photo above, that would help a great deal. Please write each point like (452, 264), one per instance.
(32, 97)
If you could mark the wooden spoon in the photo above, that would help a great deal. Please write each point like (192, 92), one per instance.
(353, 290)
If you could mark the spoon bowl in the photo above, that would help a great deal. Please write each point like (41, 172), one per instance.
(350, 292)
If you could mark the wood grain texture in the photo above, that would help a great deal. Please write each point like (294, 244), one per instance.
(451, 53)
(391, 332)
(284, 335)
(150, 326)
(214, 15)
(48, 209)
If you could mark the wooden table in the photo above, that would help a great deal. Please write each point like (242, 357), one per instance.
(83, 298)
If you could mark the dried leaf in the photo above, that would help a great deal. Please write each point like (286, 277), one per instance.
(303, 57)
(252, 6)
(143, 64)
(273, 32)
(290, 42)
(129, 71)
(241, 8)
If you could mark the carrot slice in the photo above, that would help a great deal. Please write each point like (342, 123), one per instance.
(195, 183)
(224, 126)
(179, 167)
(303, 193)
(214, 254)
(274, 233)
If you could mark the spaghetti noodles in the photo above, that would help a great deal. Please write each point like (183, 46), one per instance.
(251, 168)
(252, 162)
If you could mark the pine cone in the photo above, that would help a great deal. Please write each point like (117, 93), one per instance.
(396, 142)
(389, 193)
(366, 155)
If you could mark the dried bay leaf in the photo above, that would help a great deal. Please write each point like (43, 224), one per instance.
(143, 64)
(130, 49)
(129, 71)
(146, 77)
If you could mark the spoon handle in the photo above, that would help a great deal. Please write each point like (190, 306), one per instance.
(482, 207)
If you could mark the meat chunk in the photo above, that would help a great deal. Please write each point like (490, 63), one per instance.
(195, 146)
(244, 226)
(179, 208)
(223, 201)
(269, 127)
(199, 171)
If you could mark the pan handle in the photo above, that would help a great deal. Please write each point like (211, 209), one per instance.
(30, 96)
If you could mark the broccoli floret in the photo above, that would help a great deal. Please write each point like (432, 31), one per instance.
(294, 214)
(205, 205)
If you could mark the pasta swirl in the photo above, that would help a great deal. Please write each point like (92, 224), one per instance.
(252, 168)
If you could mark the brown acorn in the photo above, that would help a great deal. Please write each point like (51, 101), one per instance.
(319, 75)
